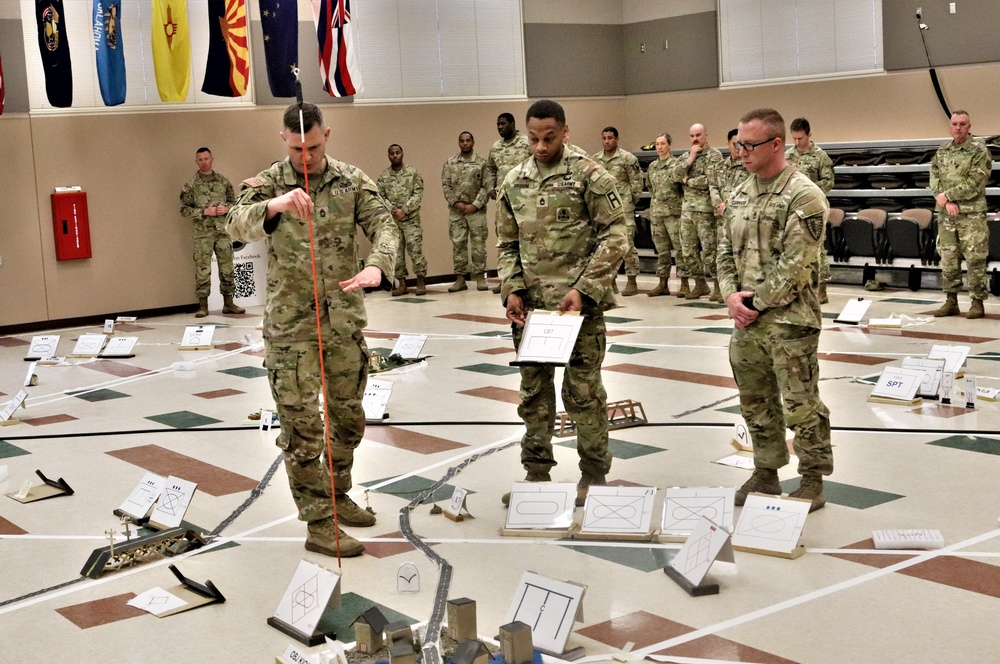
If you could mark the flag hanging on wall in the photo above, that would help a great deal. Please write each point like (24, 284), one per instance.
(110, 51)
(228, 66)
(337, 64)
(171, 49)
(55, 52)
(1, 87)
(281, 44)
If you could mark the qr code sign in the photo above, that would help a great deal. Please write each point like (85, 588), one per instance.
(243, 278)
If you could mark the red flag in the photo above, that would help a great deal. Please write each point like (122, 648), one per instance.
(337, 64)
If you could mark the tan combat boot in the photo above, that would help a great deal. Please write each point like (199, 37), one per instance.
(976, 310)
(823, 299)
(763, 480)
(349, 513)
(202, 308)
(614, 285)
(700, 288)
(685, 288)
(322, 538)
(459, 285)
(229, 307)
(400, 288)
(661, 288)
(631, 288)
(949, 308)
(530, 477)
(481, 282)
(716, 295)
(810, 488)
(586, 481)
(421, 285)
(496, 289)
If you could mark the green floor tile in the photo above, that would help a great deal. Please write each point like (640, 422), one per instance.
(7, 450)
(847, 495)
(628, 350)
(245, 372)
(831, 315)
(907, 300)
(411, 487)
(493, 333)
(183, 419)
(991, 356)
(644, 560)
(491, 369)
(353, 605)
(98, 395)
(620, 449)
(618, 320)
(384, 352)
(969, 444)
(735, 410)
(716, 330)
(703, 305)
(411, 300)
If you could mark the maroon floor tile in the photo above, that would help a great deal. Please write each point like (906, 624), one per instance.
(130, 327)
(713, 317)
(101, 611)
(941, 410)
(51, 419)
(618, 333)
(851, 358)
(213, 480)
(10, 528)
(412, 441)
(386, 549)
(913, 334)
(381, 335)
(13, 342)
(215, 394)
(673, 374)
(496, 394)
(496, 351)
(119, 369)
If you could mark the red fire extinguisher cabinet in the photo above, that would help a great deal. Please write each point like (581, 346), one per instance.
(70, 223)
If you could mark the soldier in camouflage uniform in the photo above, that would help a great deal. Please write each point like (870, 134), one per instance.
(665, 192)
(728, 173)
(403, 188)
(464, 181)
(698, 224)
(274, 205)
(561, 236)
(510, 150)
(628, 176)
(816, 165)
(205, 199)
(959, 172)
(768, 270)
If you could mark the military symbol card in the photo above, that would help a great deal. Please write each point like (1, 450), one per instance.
(853, 311)
(550, 607)
(88, 345)
(144, 496)
(897, 386)
(376, 399)
(707, 543)
(408, 346)
(16, 402)
(954, 356)
(42, 346)
(457, 504)
(548, 338)
(197, 337)
(30, 379)
(120, 347)
(771, 525)
(306, 597)
(173, 503)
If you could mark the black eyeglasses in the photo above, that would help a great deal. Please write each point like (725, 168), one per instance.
(749, 147)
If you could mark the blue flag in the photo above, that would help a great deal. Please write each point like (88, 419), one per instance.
(110, 50)
(279, 23)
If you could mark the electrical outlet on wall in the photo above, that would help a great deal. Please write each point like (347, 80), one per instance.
(951, 7)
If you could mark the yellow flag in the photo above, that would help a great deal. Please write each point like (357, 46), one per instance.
(171, 49)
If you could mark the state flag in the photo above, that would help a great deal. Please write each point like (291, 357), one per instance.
(337, 63)
(171, 49)
(280, 25)
(54, 49)
(2, 93)
(228, 66)
(110, 51)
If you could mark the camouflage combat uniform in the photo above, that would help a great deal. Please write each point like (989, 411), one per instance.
(405, 189)
(345, 198)
(625, 168)
(505, 155)
(816, 165)
(770, 245)
(698, 224)
(464, 181)
(727, 174)
(961, 172)
(664, 177)
(210, 236)
(556, 232)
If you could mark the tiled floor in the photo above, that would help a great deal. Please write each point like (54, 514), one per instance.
(101, 424)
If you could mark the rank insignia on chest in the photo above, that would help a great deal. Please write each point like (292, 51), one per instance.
(321, 212)
(562, 214)
(543, 201)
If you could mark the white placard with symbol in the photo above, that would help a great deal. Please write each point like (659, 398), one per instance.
(89, 345)
(549, 337)
(197, 336)
(310, 591)
(954, 356)
(30, 378)
(144, 495)
(684, 506)
(930, 384)
(898, 384)
(376, 398)
(408, 346)
(618, 509)
(707, 543)
(771, 523)
(13, 405)
(120, 347)
(173, 503)
(42, 346)
(156, 601)
(853, 311)
(549, 608)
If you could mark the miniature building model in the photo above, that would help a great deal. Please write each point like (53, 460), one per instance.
(516, 645)
(401, 652)
(398, 632)
(471, 651)
(462, 619)
(368, 630)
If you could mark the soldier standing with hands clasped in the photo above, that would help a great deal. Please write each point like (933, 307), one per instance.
(403, 187)
(464, 181)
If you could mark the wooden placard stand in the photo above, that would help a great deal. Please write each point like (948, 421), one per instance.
(621, 414)
(691, 589)
(48, 489)
(796, 552)
(192, 592)
(576, 532)
(457, 505)
(324, 591)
